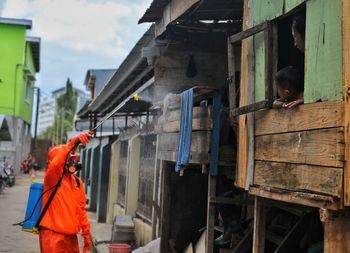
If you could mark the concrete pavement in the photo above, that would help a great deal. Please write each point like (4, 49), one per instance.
(13, 203)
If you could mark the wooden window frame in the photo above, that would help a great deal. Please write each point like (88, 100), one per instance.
(270, 38)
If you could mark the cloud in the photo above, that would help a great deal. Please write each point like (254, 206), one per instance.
(99, 26)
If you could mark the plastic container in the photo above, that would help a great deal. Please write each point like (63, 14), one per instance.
(36, 189)
(119, 248)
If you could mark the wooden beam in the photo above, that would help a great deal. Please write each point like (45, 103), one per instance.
(210, 215)
(195, 158)
(336, 232)
(302, 178)
(165, 208)
(245, 158)
(199, 124)
(329, 114)
(301, 198)
(200, 142)
(231, 75)
(171, 12)
(259, 226)
(250, 108)
(324, 147)
(346, 95)
(248, 32)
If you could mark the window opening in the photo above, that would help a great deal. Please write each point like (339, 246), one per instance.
(268, 29)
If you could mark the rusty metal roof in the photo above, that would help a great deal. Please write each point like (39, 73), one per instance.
(154, 12)
(204, 10)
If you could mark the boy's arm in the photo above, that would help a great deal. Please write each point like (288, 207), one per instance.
(278, 103)
(294, 103)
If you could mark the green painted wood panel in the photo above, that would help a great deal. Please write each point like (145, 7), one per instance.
(259, 44)
(323, 58)
(267, 10)
(291, 4)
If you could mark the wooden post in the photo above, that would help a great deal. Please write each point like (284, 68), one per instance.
(231, 75)
(346, 95)
(259, 226)
(209, 242)
(245, 159)
(336, 231)
(165, 206)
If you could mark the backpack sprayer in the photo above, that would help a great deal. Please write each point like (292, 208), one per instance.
(33, 216)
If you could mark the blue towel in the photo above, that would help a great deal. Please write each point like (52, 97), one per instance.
(184, 149)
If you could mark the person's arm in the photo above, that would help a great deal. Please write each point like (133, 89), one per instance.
(56, 165)
(294, 103)
(278, 103)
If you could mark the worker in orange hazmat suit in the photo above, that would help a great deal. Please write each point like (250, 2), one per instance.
(66, 214)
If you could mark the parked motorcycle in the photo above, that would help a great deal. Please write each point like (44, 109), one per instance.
(2, 183)
(9, 177)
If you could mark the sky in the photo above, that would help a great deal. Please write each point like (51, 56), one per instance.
(77, 35)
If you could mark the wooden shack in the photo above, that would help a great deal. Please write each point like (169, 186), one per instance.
(298, 155)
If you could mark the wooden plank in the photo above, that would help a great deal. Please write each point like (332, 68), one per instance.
(301, 198)
(259, 226)
(245, 157)
(304, 117)
(291, 4)
(195, 158)
(165, 207)
(197, 112)
(324, 147)
(346, 95)
(337, 233)
(171, 12)
(250, 108)
(248, 32)
(200, 142)
(210, 215)
(303, 178)
(323, 58)
(199, 124)
(231, 75)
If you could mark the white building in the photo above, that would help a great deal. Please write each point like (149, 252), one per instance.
(48, 106)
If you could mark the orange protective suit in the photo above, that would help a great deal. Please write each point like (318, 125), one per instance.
(66, 215)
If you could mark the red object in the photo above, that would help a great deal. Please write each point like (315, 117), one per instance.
(119, 248)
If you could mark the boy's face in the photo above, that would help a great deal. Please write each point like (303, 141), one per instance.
(283, 92)
(299, 41)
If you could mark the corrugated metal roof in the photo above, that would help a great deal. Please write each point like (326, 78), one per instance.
(203, 10)
(154, 12)
(102, 76)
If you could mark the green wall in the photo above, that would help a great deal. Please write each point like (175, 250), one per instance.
(323, 62)
(14, 56)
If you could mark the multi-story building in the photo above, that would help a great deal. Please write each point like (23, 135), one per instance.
(19, 63)
(47, 111)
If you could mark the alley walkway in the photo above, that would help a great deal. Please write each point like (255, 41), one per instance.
(12, 209)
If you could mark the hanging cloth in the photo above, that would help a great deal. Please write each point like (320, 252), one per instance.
(184, 148)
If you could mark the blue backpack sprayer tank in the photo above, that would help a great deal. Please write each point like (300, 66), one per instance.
(33, 208)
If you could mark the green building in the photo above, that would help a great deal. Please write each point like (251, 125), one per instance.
(19, 62)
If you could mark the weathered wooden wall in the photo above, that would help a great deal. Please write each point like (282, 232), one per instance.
(300, 150)
(170, 68)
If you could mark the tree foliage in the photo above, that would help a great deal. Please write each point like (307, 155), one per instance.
(66, 105)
